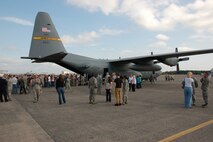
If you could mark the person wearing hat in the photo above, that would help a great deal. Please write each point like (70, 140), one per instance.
(3, 88)
(204, 87)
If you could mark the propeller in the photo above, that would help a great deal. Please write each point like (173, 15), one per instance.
(179, 60)
(177, 66)
(153, 72)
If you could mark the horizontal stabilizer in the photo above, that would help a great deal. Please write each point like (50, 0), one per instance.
(51, 58)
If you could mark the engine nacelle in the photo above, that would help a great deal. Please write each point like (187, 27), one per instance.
(138, 67)
(170, 61)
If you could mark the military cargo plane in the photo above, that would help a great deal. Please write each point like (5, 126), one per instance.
(46, 46)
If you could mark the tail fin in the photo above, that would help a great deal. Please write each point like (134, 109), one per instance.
(45, 40)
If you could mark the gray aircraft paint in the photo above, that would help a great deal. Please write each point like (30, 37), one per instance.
(46, 46)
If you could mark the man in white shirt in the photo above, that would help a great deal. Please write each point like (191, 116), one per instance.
(14, 82)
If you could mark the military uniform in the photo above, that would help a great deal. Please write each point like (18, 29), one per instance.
(9, 88)
(204, 88)
(125, 91)
(67, 84)
(195, 85)
(99, 83)
(36, 86)
(92, 86)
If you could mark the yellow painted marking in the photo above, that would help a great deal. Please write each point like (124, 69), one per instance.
(46, 38)
(178, 135)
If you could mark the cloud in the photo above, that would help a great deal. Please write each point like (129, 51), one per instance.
(79, 39)
(89, 37)
(126, 53)
(158, 44)
(96, 5)
(17, 21)
(161, 41)
(161, 15)
(162, 37)
(185, 48)
(10, 48)
(202, 37)
(8, 62)
(106, 31)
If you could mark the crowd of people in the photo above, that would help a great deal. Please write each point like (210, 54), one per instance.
(33, 83)
(169, 77)
(113, 84)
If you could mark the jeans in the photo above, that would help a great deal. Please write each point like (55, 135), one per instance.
(15, 89)
(61, 96)
(108, 95)
(188, 97)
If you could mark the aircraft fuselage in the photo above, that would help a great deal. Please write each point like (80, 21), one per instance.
(89, 66)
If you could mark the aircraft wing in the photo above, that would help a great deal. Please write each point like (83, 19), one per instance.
(161, 57)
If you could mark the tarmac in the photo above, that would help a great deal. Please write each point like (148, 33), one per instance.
(154, 113)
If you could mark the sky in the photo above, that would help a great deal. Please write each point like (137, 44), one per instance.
(109, 29)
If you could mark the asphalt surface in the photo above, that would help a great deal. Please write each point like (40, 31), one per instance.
(153, 113)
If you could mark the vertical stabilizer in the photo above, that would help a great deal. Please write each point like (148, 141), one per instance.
(45, 39)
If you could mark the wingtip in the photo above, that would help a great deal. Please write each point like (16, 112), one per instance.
(24, 57)
(29, 58)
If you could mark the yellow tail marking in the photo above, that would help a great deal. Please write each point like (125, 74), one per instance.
(46, 38)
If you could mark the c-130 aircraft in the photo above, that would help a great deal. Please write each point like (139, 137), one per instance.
(46, 46)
